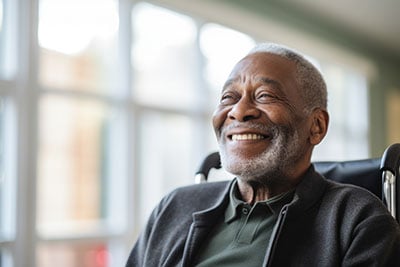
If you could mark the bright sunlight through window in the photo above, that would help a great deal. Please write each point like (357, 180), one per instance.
(70, 32)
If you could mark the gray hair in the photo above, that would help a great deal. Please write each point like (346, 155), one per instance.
(310, 79)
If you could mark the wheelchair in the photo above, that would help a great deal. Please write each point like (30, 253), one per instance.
(380, 175)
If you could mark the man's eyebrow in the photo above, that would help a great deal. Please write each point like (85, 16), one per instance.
(228, 83)
(274, 84)
(269, 81)
(263, 80)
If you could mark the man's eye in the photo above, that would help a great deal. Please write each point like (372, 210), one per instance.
(227, 99)
(265, 97)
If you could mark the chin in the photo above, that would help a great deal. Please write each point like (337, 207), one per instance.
(256, 168)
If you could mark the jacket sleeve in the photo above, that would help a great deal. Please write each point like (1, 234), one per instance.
(163, 239)
(138, 254)
(376, 242)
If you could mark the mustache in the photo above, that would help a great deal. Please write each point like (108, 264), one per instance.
(271, 129)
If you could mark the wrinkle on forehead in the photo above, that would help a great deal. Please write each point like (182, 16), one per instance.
(262, 64)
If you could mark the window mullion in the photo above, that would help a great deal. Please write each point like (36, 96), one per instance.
(24, 249)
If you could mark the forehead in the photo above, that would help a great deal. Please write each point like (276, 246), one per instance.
(267, 65)
(261, 68)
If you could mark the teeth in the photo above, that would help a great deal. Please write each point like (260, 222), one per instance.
(247, 137)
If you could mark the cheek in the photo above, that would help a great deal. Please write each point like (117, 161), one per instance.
(278, 115)
(218, 118)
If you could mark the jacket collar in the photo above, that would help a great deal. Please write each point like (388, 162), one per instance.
(307, 192)
(209, 216)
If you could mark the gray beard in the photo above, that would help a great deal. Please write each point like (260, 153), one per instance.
(272, 164)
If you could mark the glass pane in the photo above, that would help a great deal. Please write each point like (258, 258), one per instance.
(7, 171)
(78, 44)
(7, 39)
(5, 258)
(80, 148)
(77, 255)
(163, 57)
(347, 137)
(165, 157)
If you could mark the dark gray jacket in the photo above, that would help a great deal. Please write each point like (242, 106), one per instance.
(326, 224)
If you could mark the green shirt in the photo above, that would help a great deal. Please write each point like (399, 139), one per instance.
(242, 236)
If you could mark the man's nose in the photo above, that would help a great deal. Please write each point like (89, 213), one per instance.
(244, 110)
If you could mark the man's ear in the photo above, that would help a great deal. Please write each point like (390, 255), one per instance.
(319, 125)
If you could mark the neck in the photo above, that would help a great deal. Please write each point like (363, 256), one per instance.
(253, 189)
(252, 192)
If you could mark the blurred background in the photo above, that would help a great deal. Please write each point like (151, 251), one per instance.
(105, 106)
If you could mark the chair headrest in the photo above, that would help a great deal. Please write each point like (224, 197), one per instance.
(364, 173)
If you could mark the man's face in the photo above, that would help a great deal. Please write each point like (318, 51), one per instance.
(260, 123)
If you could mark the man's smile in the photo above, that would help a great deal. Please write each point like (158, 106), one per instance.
(246, 136)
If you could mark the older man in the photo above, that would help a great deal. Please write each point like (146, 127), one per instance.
(277, 211)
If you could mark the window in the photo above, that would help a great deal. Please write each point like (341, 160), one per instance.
(79, 163)
(82, 132)
(7, 39)
(8, 134)
(347, 137)
(162, 51)
(7, 181)
(78, 45)
(105, 106)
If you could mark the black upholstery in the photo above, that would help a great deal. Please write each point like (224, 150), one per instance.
(364, 173)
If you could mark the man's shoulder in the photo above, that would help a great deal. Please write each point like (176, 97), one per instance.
(336, 190)
(340, 197)
(353, 198)
(197, 195)
(339, 189)
(201, 190)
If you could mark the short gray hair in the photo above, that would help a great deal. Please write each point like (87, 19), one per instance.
(310, 79)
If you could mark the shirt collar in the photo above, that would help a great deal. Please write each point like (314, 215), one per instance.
(274, 204)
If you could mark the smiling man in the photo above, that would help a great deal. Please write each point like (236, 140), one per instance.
(265, 125)
(277, 211)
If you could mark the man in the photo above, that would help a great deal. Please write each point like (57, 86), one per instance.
(277, 211)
